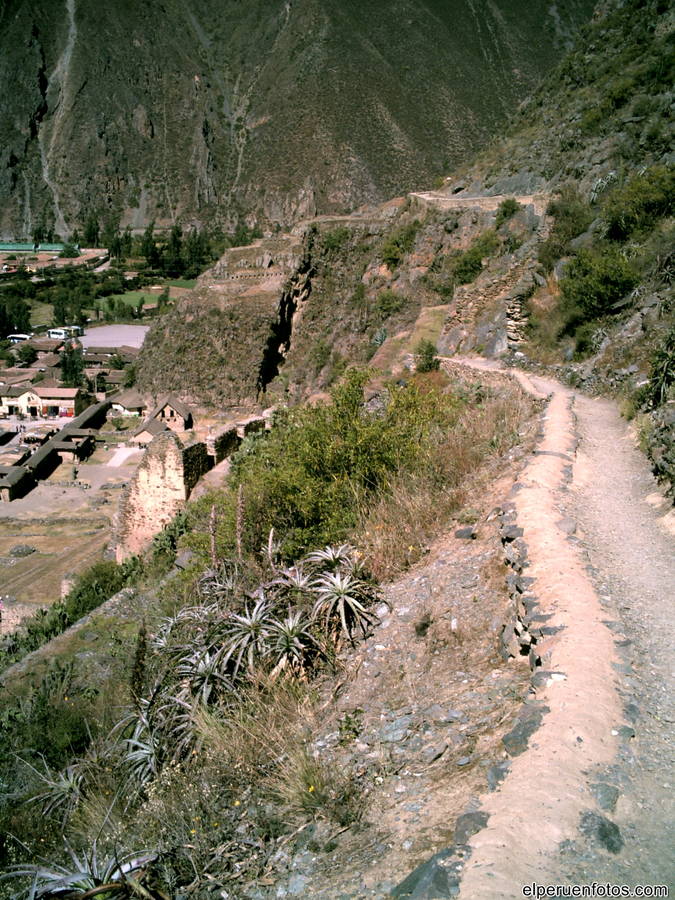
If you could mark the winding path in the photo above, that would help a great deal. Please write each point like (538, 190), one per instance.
(602, 756)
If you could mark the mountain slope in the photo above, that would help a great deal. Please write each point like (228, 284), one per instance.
(213, 110)
(580, 274)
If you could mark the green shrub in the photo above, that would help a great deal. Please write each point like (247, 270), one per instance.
(469, 264)
(334, 240)
(388, 302)
(594, 281)
(319, 355)
(425, 357)
(572, 217)
(399, 243)
(638, 204)
(506, 210)
(310, 476)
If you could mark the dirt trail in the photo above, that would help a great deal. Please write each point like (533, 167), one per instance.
(533, 833)
(440, 200)
(633, 555)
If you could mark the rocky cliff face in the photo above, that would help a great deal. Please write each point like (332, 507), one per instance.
(215, 110)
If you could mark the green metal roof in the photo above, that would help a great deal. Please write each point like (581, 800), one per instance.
(15, 247)
(50, 248)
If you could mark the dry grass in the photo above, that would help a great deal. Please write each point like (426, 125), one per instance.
(546, 324)
(396, 530)
(267, 741)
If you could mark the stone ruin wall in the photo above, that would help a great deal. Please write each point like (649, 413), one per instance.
(158, 491)
(165, 479)
(196, 462)
(224, 443)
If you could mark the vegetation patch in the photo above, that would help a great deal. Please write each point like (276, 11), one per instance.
(572, 215)
(593, 283)
(506, 210)
(638, 204)
(205, 757)
(399, 243)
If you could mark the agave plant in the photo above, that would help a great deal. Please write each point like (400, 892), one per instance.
(291, 642)
(62, 791)
(86, 875)
(142, 751)
(176, 725)
(343, 600)
(293, 586)
(221, 583)
(202, 670)
(332, 558)
(247, 634)
(196, 617)
(271, 550)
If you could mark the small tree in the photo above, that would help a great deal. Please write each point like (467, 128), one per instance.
(130, 376)
(116, 362)
(72, 366)
(506, 210)
(69, 251)
(92, 232)
(425, 357)
(27, 354)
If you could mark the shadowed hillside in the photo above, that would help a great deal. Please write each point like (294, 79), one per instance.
(213, 110)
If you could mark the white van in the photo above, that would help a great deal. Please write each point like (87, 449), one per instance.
(58, 334)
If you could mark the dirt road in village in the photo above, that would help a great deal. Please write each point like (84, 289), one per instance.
(591, 798)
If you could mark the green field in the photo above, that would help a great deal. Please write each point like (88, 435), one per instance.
(130, 298)
(182, 283)
(41, 314)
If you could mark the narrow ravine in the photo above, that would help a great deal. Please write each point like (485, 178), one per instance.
(59, 83)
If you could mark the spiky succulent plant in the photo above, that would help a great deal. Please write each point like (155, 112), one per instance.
(344, 601)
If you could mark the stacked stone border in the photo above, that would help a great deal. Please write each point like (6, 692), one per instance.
(514, 830)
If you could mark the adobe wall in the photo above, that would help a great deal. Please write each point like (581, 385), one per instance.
(157, 492)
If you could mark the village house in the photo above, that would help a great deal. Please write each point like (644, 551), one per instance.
(129, 403)
(38, 401)
(147, 432)
(15, 376)
(173, 413)
(15, 482)
(116, 377)
(44, 346)
(101, 356)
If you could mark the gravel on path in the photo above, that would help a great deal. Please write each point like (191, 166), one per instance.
(605, 581)
(615, 501)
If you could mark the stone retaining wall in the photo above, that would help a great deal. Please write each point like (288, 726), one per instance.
(223, 443)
